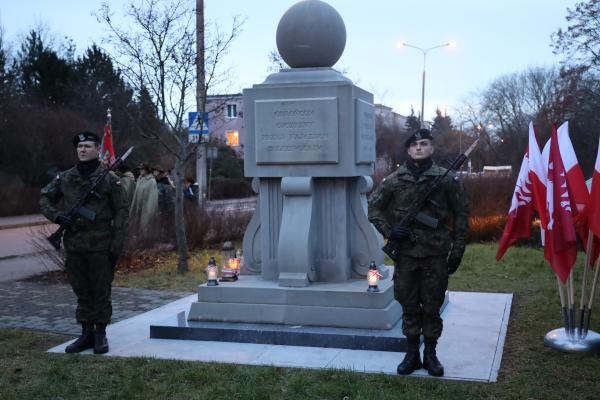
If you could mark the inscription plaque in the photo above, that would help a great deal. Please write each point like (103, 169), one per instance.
(296, 131)
(365, 132)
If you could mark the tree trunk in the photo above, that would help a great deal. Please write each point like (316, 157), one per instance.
(180, 234)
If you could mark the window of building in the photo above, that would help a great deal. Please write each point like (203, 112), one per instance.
(233, 138)
(231, 110)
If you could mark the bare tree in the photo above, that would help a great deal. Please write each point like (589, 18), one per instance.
(276, 62)
(156, 50)
(580, 42)
(509, 103)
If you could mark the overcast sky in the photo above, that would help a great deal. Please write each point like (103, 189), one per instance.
(494, 37)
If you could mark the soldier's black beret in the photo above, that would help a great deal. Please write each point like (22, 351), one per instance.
(418, 135)
(85, 136)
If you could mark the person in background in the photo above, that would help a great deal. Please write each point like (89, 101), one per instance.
(127, 181)
(190, 190)
(144, 204)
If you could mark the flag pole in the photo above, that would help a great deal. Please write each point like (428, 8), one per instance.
(571, 292)
(563, 306)
(583, 314)
(586, 325)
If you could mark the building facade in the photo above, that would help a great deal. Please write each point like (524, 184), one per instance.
(388, 117)
(226, 119)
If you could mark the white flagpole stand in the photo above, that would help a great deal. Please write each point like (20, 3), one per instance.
(569, 339)
(559, 339)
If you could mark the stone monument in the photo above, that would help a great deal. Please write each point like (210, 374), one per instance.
(310, 149)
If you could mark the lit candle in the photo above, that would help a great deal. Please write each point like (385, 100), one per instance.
(373, 278)
(211, 272)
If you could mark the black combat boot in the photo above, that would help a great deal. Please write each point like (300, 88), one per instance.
(83, 342)
(430, 360)
(412, 359)
(100, 341)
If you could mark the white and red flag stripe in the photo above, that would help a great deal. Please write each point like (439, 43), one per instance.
(594, 210)
(560, 240)
(538, 173)
(107, 151)
(518, 224)
(578, 191)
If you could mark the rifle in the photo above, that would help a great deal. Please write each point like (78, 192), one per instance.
(56, 238)
(414, 212)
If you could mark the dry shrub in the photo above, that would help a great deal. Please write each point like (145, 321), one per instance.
(226, 225)
(490, 199)
(489, 196)
(485, 229)
(38, 238)
(18, 199)
(203, 229)
(230, 188)
(490, 228)
(195, 224)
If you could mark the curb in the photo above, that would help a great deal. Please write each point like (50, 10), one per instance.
(25, 224)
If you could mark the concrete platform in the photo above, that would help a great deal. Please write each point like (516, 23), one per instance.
(253, 300)
(180, 327)
(471, 347)
(177, 327)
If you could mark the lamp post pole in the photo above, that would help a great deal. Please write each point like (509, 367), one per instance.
(425, 51)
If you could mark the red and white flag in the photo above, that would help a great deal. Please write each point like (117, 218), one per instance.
(594, 208)
(560, 240)
(578, 191)
(107, 151)
(518, 224)
(538, 173)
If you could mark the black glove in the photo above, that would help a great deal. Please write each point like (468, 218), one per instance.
(453, 263)
(64, 220)
(400, 233)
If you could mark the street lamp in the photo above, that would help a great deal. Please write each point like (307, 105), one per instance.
(450, 44)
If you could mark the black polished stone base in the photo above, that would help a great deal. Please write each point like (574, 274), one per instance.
(178, 327)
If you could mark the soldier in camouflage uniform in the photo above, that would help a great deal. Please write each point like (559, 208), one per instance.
(426, 256)
(92, 247)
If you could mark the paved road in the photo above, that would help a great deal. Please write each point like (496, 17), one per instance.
(22, 252)
(51, 307)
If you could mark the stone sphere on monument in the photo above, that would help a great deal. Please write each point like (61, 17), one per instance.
(311, 33)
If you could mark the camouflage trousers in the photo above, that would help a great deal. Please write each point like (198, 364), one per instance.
(90, 275)
(419, 286)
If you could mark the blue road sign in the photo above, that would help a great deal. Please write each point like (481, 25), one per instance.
(194, 126)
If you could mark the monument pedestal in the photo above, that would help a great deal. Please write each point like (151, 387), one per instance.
(255, 300)
(252, 310)
(178, 327)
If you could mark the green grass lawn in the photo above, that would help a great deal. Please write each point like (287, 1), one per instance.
(528, 370)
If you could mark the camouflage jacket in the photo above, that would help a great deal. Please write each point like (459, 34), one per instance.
(107, 231)
(390, 201)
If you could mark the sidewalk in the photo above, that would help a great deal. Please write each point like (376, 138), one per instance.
(50, 307)
(20, 221)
